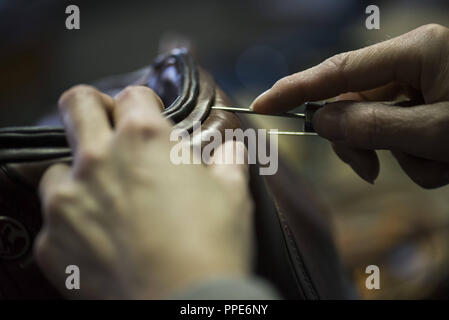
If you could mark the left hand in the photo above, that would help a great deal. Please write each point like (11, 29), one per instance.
(135, 224)
(412, 66)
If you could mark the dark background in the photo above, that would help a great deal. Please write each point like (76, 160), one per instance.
(247, 45)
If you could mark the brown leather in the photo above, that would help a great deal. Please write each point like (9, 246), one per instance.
(295, 249)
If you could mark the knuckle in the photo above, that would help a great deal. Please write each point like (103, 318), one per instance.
(141, 126)
(429, 42)
(434, 30)
(134, 91)
(337, 62)
(142, 93)
(76, 93)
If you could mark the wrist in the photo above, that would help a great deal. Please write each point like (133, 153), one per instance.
(181, 276)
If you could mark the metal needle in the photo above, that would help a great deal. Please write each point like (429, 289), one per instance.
(248, 111)
(285, 115)
(293, 133)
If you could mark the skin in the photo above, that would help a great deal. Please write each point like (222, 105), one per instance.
(413, 66)
(113, 212)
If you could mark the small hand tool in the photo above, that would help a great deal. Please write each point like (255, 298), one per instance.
(309, 110)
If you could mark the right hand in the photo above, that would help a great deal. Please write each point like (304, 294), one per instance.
(412, 65)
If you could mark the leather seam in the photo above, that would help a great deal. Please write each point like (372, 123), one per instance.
(298, 281)
(296, 253)
(298, 256)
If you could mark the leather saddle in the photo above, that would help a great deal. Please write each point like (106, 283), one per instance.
(295, 249)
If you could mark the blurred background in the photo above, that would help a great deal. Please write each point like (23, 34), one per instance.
(247, 46)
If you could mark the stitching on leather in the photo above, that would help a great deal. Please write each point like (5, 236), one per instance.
(298, 281)
(296, 253)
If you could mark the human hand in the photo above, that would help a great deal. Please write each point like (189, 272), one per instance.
(415, 66)
(135, 224)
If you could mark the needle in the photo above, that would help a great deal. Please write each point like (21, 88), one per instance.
(285, 115)
(249, 111)
(293, 133)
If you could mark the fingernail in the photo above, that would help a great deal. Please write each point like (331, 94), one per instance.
(329, 122)
(251, 107)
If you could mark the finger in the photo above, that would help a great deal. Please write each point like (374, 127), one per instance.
(53, 187)
(398, 59)
(426, 173)
(419, 130)
(138, 110)
(390, 92)
(85, 112)
(230, 165)
(364, 162)
(52, 178)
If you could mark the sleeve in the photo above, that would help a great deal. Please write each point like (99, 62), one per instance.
(247, 288)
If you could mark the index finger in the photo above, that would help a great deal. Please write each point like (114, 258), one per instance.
(85, 114)
(398, 59)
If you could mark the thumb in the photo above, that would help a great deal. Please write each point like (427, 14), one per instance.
(420, 130)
